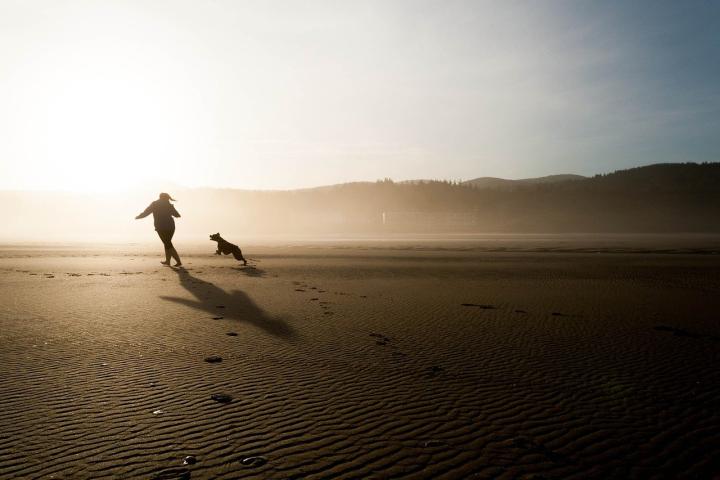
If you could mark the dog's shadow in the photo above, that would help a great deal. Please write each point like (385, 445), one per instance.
(235, 305)
(250, 271)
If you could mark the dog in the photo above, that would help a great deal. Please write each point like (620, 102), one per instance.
(227, 248)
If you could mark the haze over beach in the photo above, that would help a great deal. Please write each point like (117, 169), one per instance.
(359, 240)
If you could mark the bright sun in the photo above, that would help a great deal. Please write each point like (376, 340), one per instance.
(107, 134)
(106, 115)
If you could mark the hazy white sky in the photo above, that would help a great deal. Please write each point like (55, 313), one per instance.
(98, 95)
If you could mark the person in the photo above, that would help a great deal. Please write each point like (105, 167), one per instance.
(163, 212)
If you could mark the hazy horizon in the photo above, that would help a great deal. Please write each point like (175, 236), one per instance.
(153, 187)
(681, 198)
(103, 96)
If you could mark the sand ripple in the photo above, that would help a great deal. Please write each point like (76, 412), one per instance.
(529, 367)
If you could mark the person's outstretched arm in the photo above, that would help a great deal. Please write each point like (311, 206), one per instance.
(144, 214)
(174, 212)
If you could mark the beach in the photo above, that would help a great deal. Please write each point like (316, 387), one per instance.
(368, 360)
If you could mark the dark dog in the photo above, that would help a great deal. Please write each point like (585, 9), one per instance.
(227, 248)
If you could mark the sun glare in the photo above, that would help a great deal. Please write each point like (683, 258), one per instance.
(107, 115)
(101, 137)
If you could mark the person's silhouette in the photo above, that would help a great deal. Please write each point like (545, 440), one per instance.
(163, 212)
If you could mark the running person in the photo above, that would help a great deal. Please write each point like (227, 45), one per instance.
(163, 212)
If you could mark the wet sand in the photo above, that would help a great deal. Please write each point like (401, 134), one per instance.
(360, 361)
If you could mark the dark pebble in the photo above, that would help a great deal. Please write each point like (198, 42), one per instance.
(213, 359)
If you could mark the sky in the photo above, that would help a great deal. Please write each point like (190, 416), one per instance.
(112, 95)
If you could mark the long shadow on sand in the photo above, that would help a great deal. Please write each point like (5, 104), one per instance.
(250, 271)
(235, 305)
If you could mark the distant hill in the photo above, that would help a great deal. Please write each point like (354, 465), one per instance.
(662, 198)
(502, 183)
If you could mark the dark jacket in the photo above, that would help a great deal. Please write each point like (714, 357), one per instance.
(163, 212)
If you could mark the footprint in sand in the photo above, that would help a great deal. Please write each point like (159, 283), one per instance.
(382, 340)
(679, 332)
(222, 397)
(213, 359)
(435, 370)
(531, 446)
(172, 474)
(433, 443)
(231, 334)
(254, 461)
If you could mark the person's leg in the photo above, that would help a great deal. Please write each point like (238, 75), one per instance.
(166, 238)
(176, 257)
(173, 252)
